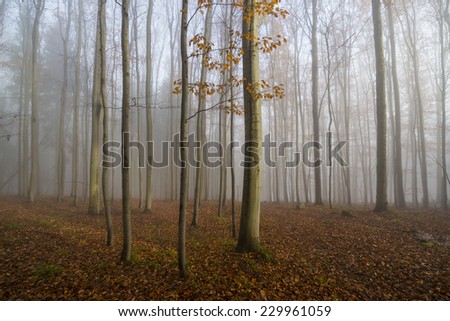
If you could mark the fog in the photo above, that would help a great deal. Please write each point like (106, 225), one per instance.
(416, 129)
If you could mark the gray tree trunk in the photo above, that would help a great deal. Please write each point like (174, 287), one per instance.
(381, 195)
(105, 172)
(398, 167)
(94, 167)
(61, 168)
(148, 106)
(250, 214)
(39, 6)
(183, 138)
(315, 102)
(201, 127)
(76, 103)
(126, 211)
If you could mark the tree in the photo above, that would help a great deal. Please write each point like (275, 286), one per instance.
(411, 42)
(76, 103)
(315, 102)
(201, 124)
(97, 101)
(399, 194)
(381, 196)
(39, 6)
(148, 106)
(442, 18)
(250, 212)
(183, 138)
(61, 168)
(126, 212)
(105, 174)
(24, 125)
(232, 171)
(137, 99)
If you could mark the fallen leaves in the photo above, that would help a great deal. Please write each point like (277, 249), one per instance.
(57, 252)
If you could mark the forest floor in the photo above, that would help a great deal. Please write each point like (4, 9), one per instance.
(55, 251)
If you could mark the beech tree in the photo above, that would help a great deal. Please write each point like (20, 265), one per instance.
(183, 138)
(250, 212)
(148, 106)
(76, 104)
(105, 172)
(97, 106)
(39, 7)
(201, 124)
(61, 168)
(126, 211)
(381, 195)
(315, 102)
(399, 194)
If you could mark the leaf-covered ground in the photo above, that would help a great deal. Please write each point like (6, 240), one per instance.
(56, 252)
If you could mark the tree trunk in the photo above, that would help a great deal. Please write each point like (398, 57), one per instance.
(137, 102)
(315, 102)
(24, 123)
(398, 167)
(250, 216)
(76, 103)
(126, 212)
(61, 168)
(39, 5)
(381, 196)
(148, 106)
(183, 138)
(94, 187)
(105, 173)
(443, 57)
(201, 127)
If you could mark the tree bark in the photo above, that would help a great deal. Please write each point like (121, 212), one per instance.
(201, 127)
(76, 103)
(398, 167)
(126, 212)
(183, 138)
(61, 168)
(94, 167)
(105, 172)
(250, 214)
(39, 5)
(381, 196)
(148, 106)
(315, 102)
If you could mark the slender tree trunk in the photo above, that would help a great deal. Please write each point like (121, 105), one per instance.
(126, 211)
(183, 138)
(39, 5)
(443, 57)
(24, 120)
(105, 172)
(201, 127)
(412, 48)
(398, 167)
(232, 171)
(76, 104)
(381, 196)
(94, 167)
(250, 216)
(87, 97)
(315, 102)
(148, 106)
(137, 101)
(61, 168)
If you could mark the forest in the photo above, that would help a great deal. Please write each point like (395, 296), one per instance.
(224, 150)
